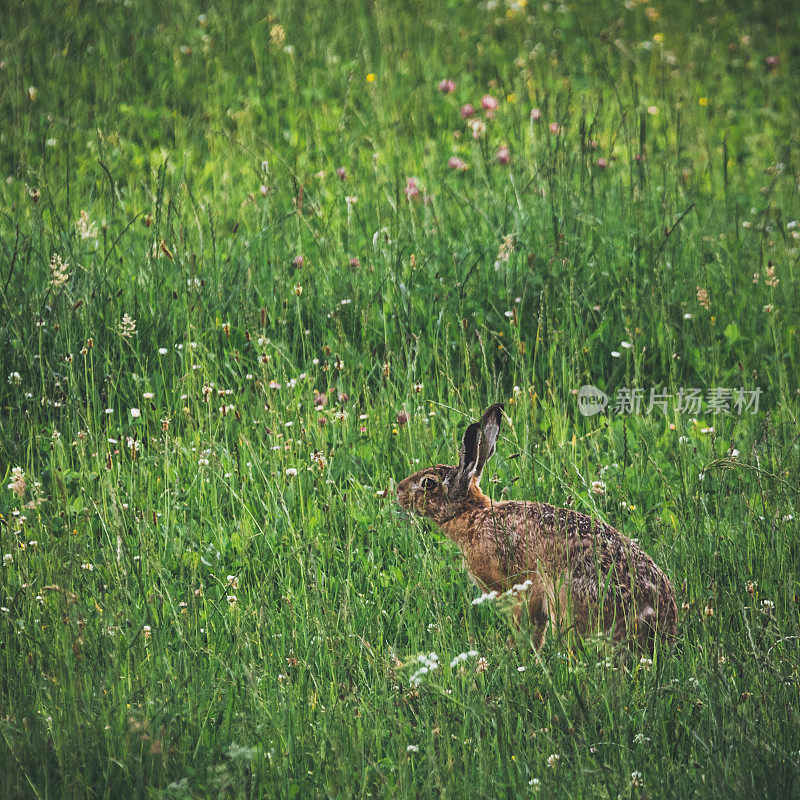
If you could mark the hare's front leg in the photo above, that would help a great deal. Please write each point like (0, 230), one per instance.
(539, 615)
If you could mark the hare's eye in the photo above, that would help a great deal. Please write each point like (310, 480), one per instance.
(429, 484)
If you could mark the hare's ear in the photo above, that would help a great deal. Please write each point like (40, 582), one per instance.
(458, 484)
(490, 428)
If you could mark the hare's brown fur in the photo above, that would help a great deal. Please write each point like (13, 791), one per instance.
(584, 574)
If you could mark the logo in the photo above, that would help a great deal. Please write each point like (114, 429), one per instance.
(591, 400)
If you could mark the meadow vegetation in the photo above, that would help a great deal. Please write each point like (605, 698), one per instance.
(259, 262)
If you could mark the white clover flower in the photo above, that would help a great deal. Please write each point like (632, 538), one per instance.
(462, 657)
(135, 413)
(14, 379)
(552, 761)
(291, 472)
(487, 597)
(412, 748)
(8, 559)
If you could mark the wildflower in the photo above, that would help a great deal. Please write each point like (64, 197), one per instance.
(555, 128)
(291, 472)
(768, 309)
(503, 156)
(447, 86)
(298, 289)
(478, 127)
(412, 748)
(489, 103)
(370, 77)
(708, 611)
(147, 631)
(319, 460)
(518, 588)
(277, 34)
(626, 345)
(703, 298)
(485, 597)
(412, 189)
(535, 784)
(467, 110)
(354, 262)
(703, 101)
(231, 598)
(127, 327)
(482, 665)
(233, 581)
(58, 271)
(598, 487)
(85, 227)
(136, 413)
(462, 657)
(148, 395)
(751, 587)
(7, 559)
(771, 279)
(402, 418)
(767, 606)
(417, 387)
(646, 662)
(772, 62)
(636, 778)
(342, 173)
(552, 761)
(602, 163)
(458, 164)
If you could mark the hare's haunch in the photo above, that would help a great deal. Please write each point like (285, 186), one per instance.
(582, 572)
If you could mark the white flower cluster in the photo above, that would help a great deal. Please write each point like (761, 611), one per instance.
(429, 663)
(519, 587)
(516, 589)
(462, 657)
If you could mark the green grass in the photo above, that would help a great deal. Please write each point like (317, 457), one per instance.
(127, 670)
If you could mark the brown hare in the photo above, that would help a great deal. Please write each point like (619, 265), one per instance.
(566, 569)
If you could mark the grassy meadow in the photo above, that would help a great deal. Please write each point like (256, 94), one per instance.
(258, 263)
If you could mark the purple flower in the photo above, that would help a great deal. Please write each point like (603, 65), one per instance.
(412, 189)
(772, 62)
(402, 418)
(536, 114)
(489, 103)
(602, 163)
(467, 110)
(354, 262)
(342, 173)
(447, 86)
(503, 155)
(297, 261)
(457, 163)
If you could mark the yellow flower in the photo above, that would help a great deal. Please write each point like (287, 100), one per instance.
(658, 37)
(703, 101)
(512, 98)
(370, 77)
